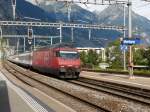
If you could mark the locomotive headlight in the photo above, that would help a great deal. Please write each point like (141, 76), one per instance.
(62, 66)
(77, 67)
(62, 69)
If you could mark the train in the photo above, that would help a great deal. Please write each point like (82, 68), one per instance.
(60, 60)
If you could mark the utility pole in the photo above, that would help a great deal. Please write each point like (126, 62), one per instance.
(24, 45)
(7, 43)
(124, 52)
(130, 36)
(72, 36)
(34, 43)
(69, 19)
(69, 11)
(14, 9)
(18, 46)
(60, 29)
(89, 34)
(1, 32)
(51, 40)
(1, 56)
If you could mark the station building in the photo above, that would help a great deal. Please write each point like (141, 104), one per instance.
(86, 49)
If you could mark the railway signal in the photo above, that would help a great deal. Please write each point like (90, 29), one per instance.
(30, 35)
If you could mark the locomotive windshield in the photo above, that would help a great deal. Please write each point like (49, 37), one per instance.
(68, 54)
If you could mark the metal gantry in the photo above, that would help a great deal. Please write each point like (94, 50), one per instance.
(94, 2)
(61, 24)
(26, 36)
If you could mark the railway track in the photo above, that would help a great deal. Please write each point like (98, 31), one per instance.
(35, 82)
(132, 93)
(85, 92)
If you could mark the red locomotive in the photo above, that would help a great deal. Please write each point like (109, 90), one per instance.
(61, 60)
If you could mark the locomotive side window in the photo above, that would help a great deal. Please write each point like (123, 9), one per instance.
(57, 54)
(68, 54)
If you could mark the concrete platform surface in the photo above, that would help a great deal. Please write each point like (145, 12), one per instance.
(136, 81)
(15, 99)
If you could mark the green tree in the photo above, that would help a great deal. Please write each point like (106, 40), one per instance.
(93, 57)
(115, 54)
(146, 55)
(89, 59)
(138, 57)
(83, 57)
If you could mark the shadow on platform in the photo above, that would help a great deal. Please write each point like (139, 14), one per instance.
(4, 98)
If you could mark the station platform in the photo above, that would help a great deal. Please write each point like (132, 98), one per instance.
(15, 99)
(136, 81)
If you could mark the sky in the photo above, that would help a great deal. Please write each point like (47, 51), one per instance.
(139, 6)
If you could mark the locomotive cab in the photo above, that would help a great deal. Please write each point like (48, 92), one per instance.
(69, 63)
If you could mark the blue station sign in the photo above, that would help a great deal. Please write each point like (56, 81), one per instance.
(131, 41)
(124, 47)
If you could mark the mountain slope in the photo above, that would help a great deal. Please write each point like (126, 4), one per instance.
(26, 9)
(5, 6)
(114, 15)
(56, 12)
